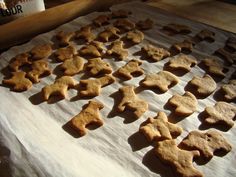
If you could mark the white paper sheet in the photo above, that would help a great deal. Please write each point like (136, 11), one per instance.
(40, 146)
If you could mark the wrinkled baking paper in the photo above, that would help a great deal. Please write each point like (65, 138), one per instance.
(40, 145)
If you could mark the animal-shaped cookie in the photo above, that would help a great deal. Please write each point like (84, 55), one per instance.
(185, 104)
(177, 28)
(18, 81)
(204, 85)
(131, 102)
(130, 69)
(109, 33)
(64, 38)
(120, 13)
(97, 66)
(231, 44)
(229, 90)
(214, 66)
(145, 24)
(92, 87)
(159, 128)
(182, 62)
(89, 115)
(117, 50)
(85, 33)
(182, 47)
(206, 143)
(41, 51)
(19, 61)
(59, 87)
(206, 35)
(226, 55)
(93, 50)
(124, 24)
(162, 80)
(180, 160)
(39, 69)
(65, 53)
(135, 36)
(101, 20)
(73, 66)
(221, 113)
(155, 53)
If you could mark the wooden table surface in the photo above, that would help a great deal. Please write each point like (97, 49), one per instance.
(215, 13)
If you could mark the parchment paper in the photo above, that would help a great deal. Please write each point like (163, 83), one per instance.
(36, 141)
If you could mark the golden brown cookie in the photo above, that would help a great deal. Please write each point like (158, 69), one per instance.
(18, 81)
(163, 80)
(120, 13)
(90, 50)
(88, 115)
(131, 102)
(182, 47)
(19, 61)
(177, 28)
(185, 104)
(206, 143)
(65, 53)
(222, 114)
(206, 35)
(159, 128)
(73, 66)
(135, 36)
(145, 24)
(99, 45)
(85, 33)
(101, 20)
(108, 34)
(39, 69)
(124, 24)
(64, 38)
(117, 49)
(214, 66)
(226, 55)
(97, 66)
(183, 62)
(41, 51)
(155, 53)
(59, 87)
(92, 87)
(180, 160)
(130, 69)
(204, 85)
(230, 90)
